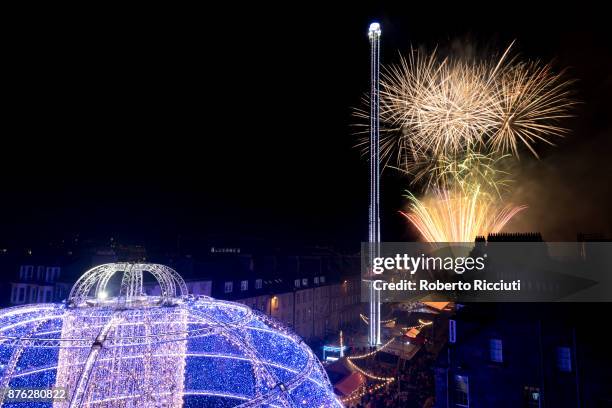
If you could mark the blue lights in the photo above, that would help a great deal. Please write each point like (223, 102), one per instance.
(192, 352)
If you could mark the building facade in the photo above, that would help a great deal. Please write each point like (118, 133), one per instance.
(523, 355)
(38, 284)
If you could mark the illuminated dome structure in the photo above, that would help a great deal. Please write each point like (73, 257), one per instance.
(130, 349)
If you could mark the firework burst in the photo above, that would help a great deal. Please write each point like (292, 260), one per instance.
(451, 123)
(531, 102)
(441, 108)
(456, 216)
(434, 108)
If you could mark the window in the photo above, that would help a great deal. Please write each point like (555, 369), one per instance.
(305, 282)
(258, 283)
(244, 285)
(531, 397)
(462, 391)
(297, 283)
(495, 351)
(564, 359)
(21, 295)
(40, 272)
(316, 280)
(26, 272)
(229, 287)
(452, 331)
(322, 279)
(48, 297)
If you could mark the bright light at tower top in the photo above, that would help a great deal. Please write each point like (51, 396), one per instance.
(374, 30)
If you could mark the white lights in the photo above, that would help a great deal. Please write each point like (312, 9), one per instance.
(374, 30)
(172, 350)
(374, 207)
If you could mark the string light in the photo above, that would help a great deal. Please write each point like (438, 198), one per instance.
(367, 321)
(358, 395)
(371, 353)
(371, 376)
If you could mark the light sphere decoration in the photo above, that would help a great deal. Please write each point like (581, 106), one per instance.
(113, 345)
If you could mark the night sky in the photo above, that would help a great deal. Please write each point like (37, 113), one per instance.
(149, 124)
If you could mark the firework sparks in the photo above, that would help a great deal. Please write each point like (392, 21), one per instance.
(440, 107)
(457, 216)
(468, 170)
(450, 123)
(532, 100)
(434, 108)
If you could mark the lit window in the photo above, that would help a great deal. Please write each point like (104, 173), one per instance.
(495, 351)
(564, 359)
(297, 283)
(322, 279)
(244, 285)
(258, 284)
(462, 391)
(305, 282)
(229, 287)
(316, 280)
(452, 331)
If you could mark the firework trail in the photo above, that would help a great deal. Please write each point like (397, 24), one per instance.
(458, 217)
(464, 199)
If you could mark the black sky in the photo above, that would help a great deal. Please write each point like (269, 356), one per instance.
(146, 124)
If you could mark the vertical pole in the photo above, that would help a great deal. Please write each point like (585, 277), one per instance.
(374, 216)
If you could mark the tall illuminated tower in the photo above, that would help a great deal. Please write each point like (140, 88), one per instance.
(374, 218)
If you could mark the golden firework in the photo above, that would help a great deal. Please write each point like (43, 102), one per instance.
(432, 107)
(456, 216)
